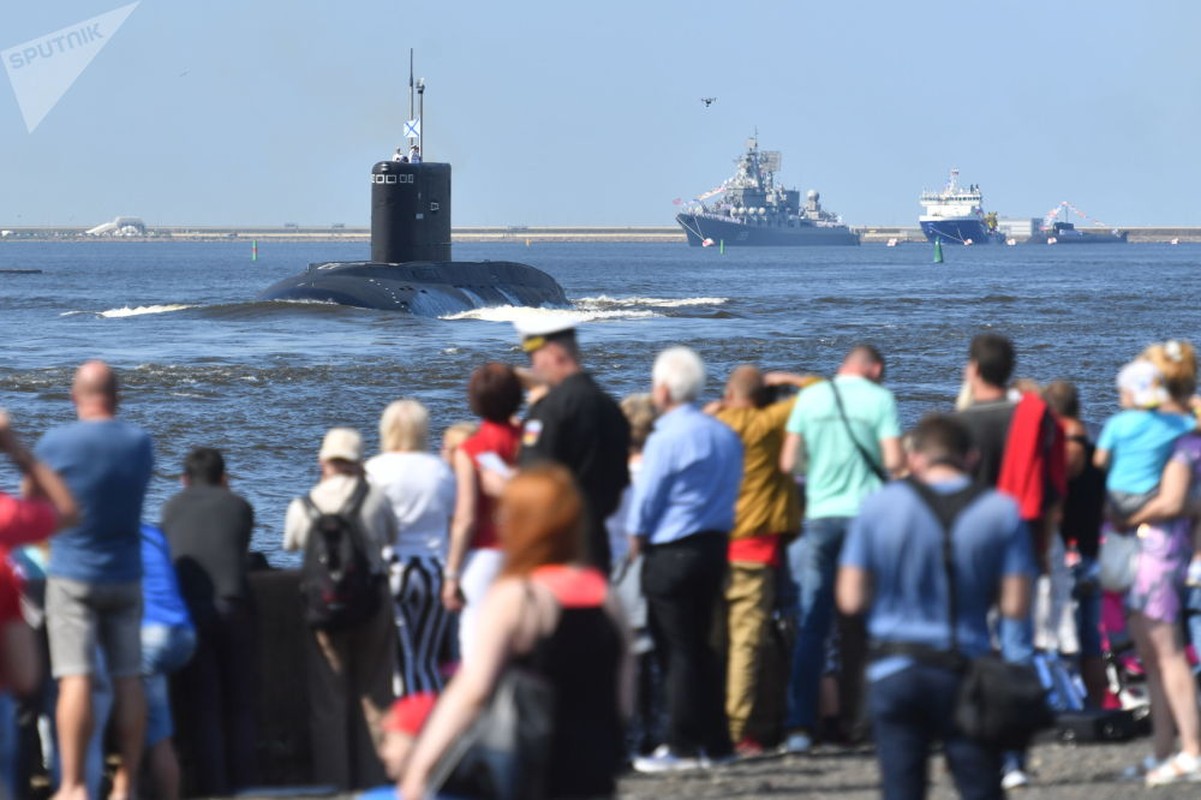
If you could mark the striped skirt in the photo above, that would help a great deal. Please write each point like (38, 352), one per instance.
(421, 622)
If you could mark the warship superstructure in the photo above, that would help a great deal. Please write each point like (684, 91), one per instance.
(751, 209)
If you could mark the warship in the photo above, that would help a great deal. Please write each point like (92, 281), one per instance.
(411, 269)
(751, 210)
(1063, 231)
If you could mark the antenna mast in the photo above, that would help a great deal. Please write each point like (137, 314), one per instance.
(410, 83)
(414, 131)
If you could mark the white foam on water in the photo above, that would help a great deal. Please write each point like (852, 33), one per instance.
(604, 301)
(116, 313)
(525, 314)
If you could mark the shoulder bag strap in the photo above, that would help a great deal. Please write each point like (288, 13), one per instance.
(354, 503)
(352, 511)
(312, 513)
(867, 457)
(310, 508)
(946, 508)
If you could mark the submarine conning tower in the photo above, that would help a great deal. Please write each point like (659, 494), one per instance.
(410, 212)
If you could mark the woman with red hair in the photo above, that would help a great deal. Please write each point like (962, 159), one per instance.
(474, 558)
(556, 617)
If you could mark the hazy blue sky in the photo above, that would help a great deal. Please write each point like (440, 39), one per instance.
(556, 112)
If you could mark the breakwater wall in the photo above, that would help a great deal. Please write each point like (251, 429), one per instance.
(869, 234)
(281, 698)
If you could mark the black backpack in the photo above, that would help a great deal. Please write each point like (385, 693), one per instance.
(337, 585)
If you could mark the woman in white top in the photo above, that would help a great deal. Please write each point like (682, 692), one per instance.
(421, 490)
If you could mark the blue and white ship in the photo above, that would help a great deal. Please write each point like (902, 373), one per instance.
(956, 215)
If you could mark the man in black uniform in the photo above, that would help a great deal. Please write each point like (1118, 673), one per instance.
(577, 425)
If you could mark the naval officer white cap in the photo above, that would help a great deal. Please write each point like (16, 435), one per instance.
(537, 330)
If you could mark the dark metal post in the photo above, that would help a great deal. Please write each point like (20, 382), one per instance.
(421, 116)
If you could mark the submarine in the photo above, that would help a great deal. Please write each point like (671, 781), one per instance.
(411, 269)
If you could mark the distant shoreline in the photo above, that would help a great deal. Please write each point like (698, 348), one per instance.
(514, 234)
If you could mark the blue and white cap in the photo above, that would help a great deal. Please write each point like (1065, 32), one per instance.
(537, 330)
(1144, 383)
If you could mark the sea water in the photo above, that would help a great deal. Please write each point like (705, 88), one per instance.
(203, 363)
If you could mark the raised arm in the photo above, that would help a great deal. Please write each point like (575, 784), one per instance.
(39, 479)
(796, 379)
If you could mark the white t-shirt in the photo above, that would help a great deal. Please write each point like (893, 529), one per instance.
(421, 490)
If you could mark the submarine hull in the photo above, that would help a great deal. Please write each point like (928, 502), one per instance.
(425, 288)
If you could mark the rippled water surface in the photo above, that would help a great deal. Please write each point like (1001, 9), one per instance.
(203, 363)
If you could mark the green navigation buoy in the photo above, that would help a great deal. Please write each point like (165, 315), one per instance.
(938, 251)
(721, 247)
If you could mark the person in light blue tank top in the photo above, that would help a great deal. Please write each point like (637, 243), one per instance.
(1136, 442)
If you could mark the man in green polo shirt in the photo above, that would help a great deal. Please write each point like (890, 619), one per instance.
(850, 435)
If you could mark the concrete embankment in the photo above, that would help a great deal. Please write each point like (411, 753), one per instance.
(1062, 772)
(869, 234)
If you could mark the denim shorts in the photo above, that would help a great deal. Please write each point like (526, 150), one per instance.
(80, 616)
(159, 724)
(166, 648)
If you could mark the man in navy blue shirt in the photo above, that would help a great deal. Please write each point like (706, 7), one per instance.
(892, 567)
(681, 514)
(93, 590)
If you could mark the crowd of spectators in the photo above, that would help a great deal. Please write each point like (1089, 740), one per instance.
(651, 560)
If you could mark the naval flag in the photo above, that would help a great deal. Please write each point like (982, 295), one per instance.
(413, 129)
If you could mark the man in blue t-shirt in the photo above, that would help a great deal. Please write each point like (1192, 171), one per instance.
(93, 588)
(892, 567)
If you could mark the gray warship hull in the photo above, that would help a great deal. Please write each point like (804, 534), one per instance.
(1068, 233)
(700, 228)
(753, 210)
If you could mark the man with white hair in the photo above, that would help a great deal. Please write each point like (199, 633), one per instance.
(681, 515)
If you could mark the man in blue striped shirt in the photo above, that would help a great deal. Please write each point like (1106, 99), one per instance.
(681, 515)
